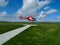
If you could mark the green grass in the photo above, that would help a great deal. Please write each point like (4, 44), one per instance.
(43, 34)
(6, 28)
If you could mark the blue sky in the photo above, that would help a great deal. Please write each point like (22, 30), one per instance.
(12, 6)
(42, 10)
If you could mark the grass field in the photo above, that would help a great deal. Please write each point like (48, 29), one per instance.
(4, 27)
(43, 34)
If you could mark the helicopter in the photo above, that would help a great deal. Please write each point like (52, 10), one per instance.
(29, 18)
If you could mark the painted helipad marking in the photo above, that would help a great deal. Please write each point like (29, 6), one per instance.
(7, 36)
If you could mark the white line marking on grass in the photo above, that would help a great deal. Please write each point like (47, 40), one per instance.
(7, 36)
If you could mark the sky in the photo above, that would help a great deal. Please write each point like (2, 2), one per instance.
(42, 10)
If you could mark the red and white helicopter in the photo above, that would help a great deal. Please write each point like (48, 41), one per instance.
(29, 18)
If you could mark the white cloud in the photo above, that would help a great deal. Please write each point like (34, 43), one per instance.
(51, 11)
(3, 3)
(3, 14)
(30, 7)
(42, 14)
(57, 18)
(46, 8)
